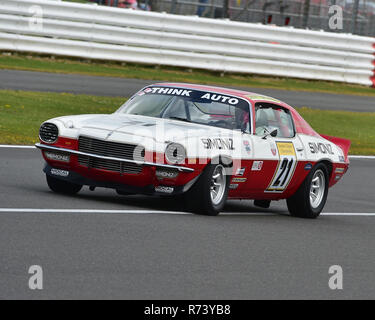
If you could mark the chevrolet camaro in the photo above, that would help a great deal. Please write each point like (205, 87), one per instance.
(204, 144)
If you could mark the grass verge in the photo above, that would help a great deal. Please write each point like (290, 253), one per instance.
(18, 61)
(356, 126)
(22, 112)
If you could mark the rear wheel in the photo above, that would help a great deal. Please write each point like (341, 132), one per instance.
(310, 198)
(209, 193)
(61, 186)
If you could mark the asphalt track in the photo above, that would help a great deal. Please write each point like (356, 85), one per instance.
(108, 86)
(147, 248)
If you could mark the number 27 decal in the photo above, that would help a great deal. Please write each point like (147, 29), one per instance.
(285, 168)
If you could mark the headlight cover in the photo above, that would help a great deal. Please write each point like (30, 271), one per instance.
(175, 153)
(48, 132)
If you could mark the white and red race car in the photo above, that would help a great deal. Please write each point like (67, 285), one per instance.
(205, 143)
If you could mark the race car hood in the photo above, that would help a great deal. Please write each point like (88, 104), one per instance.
(149, 127)
(153, 133)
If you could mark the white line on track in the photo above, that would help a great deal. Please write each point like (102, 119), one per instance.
(349, 214)
(30, 210)
(32, 147)
(26, 210)
(16, 146)
(361, 157)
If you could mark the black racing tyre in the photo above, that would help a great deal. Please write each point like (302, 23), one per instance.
(209, 194)
(61, 186)
(310, 198)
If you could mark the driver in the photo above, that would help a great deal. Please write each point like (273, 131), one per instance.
(242, 119)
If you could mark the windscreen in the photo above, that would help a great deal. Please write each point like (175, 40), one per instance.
(193, 106)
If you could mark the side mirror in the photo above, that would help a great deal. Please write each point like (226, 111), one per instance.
(272, 133)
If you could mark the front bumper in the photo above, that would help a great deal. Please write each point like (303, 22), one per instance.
(144, 182)
(75, 177)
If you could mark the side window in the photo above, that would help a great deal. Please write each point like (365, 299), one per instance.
(269, 117)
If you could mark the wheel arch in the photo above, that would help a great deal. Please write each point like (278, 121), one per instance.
(224, 160)
(329, 165)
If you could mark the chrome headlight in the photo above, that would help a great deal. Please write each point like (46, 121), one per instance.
(48, 132)
(175, 153)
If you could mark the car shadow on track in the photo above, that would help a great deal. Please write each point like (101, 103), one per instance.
(176, 203)
(95, 200)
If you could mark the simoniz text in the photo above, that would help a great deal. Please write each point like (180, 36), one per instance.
(218, 143)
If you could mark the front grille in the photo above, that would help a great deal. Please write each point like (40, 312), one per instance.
(110, 165)
(48, 132)
(110, 149)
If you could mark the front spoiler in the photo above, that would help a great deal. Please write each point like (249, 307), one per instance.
(75, 177)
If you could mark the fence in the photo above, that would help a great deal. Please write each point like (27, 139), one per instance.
(358, 15)
(99, 32)
(358, 19)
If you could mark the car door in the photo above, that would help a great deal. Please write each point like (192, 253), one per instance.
(277, 150)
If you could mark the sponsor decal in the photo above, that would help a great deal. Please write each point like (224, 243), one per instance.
(220, 98)
(239, 179)
(58, 172)
(201, 95)
(218, 143)
(341, 159)
(166, 174)
(247, 146)
(57, 156)
(273, 148)
(233, 186)
(286, 149)
(320, 148)
(171, 91)
(164, 189)
(240, 171)
(285, 168)
(337, 177)
(308, 166)
(257, 166)
(339, 170)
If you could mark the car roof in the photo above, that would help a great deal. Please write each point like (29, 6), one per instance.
(300, 124)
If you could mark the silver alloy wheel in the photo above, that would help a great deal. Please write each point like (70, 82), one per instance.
(317, 188)
(218, 184)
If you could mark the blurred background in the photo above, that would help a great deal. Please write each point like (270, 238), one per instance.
(358, 15)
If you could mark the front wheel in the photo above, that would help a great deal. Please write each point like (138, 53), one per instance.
(209, 193)
(310, 198)
(61, 186)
